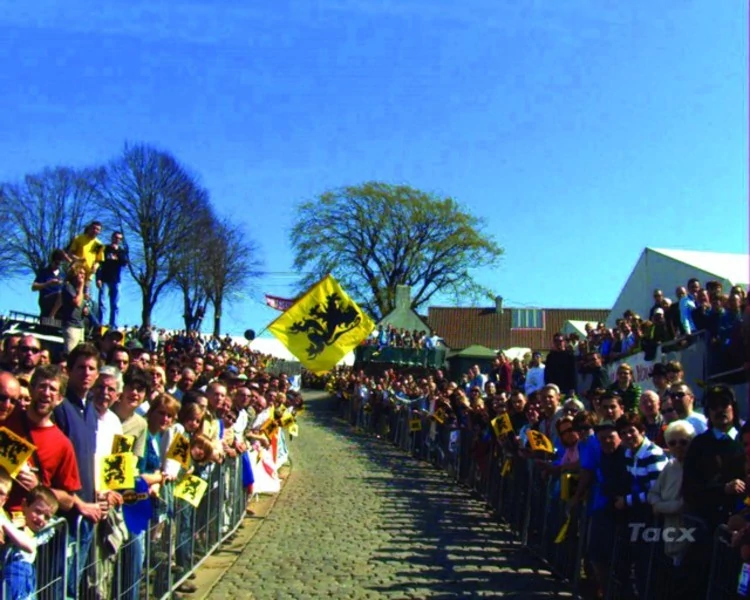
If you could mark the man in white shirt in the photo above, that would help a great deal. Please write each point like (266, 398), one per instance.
(535, 375)
(683, 401)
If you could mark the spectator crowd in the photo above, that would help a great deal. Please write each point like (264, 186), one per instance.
(672, 457)
(216, 395)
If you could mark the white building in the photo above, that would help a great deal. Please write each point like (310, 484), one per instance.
(667, 269)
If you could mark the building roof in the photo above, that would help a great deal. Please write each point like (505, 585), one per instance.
(476, 351)
(732, 267)
(490, 327)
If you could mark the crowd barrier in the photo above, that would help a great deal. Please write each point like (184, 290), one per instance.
(149, 565)
(522, 495)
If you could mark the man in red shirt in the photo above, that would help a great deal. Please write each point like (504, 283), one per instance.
(53, 463)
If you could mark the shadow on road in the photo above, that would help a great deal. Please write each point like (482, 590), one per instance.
(451, 542)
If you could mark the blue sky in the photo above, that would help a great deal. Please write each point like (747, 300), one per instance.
(581, 131)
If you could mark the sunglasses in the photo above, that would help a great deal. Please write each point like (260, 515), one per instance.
(680, 442)
(31, 349)
(677, 395)
(5, 399)
(564, 431)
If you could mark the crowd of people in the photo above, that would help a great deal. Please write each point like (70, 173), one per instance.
(672, 452)
(218, 396)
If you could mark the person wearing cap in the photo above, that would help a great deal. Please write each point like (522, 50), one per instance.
(535, 375)
(713, 480)
(660, 332)
(658, 298)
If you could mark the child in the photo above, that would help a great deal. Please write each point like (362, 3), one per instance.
(201, 451)
(38, 508)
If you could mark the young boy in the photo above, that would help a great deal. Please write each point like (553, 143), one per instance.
(38, 508)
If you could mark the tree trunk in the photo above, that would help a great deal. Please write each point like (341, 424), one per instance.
(217, 317)
(146, 312)
(188, 314)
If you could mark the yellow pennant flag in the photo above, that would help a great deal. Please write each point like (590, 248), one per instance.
(506, 467)
(323, 326)
(123, 443)
(294, 430)
(287, 418)
(14, 451)
(415, 424)
(191, 490)
(179, 450)
(563, 533)
(539, 441)
(501, 425)
(118, 471)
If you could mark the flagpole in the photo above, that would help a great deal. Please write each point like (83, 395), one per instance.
(300, 299)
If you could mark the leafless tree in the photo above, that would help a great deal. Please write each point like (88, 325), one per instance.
(231, 262)
(156, 203)
(191, 274)
(45, 212)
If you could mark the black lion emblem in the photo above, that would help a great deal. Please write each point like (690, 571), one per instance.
(114, 469)
(11, 448)
(325, 325)
(181, 449)
(190, 488)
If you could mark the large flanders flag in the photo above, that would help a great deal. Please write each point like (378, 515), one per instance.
(322, 326)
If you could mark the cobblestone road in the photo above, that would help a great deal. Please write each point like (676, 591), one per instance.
(359, 519)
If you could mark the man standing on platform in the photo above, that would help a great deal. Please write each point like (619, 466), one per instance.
(108, 276)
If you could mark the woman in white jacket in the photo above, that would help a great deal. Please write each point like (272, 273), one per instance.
(666, 494)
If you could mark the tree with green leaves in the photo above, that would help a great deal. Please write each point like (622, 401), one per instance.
(376, 236)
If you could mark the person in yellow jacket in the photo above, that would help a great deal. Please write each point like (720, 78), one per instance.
(87, 248)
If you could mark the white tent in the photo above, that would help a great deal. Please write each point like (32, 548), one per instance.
(275, 348)
(578, 327)
(668, 269)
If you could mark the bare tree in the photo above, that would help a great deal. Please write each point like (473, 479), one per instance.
(45, 212)
(192, 273)
(231, 262)
(155, 202)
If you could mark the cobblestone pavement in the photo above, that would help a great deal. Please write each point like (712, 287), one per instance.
(359, 519)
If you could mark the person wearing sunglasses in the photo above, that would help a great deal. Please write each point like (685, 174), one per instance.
(683, 401)
(666, 495)
(10, 392)
(29, 352)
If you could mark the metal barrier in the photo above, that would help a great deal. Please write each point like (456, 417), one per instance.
(529, 501)
(97, 562)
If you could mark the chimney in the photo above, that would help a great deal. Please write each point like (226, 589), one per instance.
(403, 296)
(499, 304)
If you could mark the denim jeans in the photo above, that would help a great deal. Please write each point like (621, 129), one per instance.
(113, 290)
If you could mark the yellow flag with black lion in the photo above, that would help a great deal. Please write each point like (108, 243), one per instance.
(323, 326)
